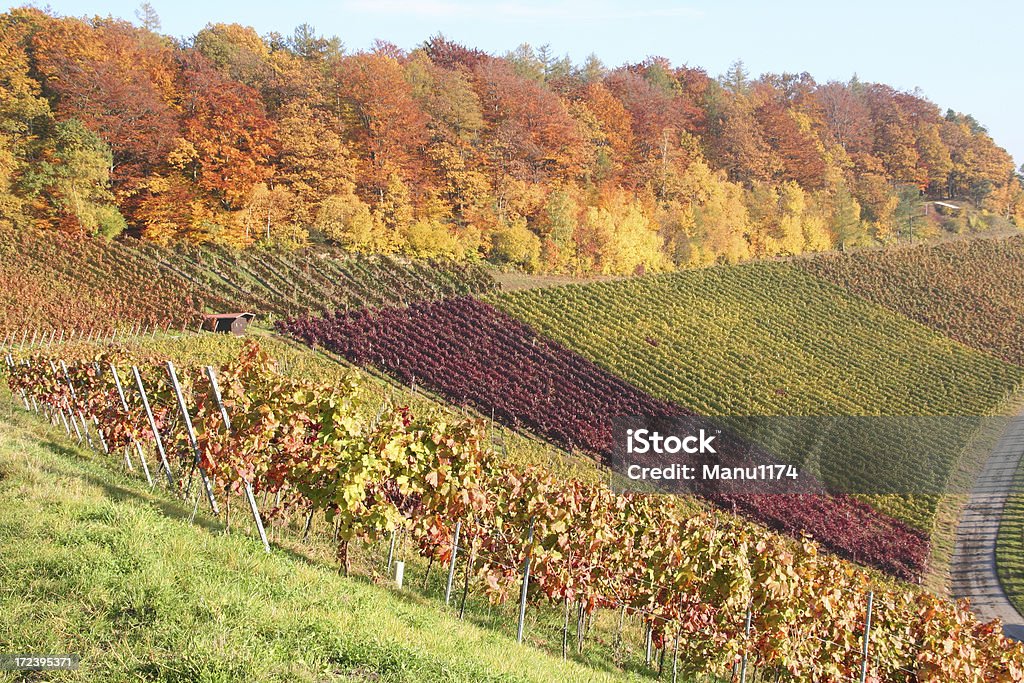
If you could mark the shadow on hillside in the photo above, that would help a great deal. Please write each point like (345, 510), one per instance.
(124, 486)
(160, 498)
(180, 510)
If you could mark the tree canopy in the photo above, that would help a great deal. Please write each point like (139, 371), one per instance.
(525, 159)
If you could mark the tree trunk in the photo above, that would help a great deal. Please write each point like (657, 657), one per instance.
(565, 631)
(426, 574)
(344, 557)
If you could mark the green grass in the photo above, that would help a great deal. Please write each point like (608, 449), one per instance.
(1010, 543)
(92, 562)
(1010, 550)
(771, 339)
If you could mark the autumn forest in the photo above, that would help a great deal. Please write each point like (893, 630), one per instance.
(526, 160)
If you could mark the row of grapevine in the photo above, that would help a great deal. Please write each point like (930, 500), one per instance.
(770, 339)
(56, 280)
(475, 355)
(724, 589)
(970, 290)
(318, 279)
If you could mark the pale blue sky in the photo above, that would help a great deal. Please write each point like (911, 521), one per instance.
(963, 56)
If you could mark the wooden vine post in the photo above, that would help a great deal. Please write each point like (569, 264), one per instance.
(60, 409)
(211, 375)
(95, 419)
(191, 433)
(867, 638)
(127, 414)
(746, 645)
(526, 587)
(74, 397)
(152, 426)
(451, 564)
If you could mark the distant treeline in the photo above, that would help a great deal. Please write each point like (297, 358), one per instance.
(524, 159)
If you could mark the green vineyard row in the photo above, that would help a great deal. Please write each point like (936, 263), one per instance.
(770, 339)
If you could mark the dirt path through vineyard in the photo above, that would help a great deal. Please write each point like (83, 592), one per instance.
(974, 560)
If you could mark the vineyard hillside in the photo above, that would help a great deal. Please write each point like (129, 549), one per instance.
(765, 339)
(770, 339)
(53, 280)
(324, 359)
(416, 489)
(475, 355)
(970, 290)
(375, 390)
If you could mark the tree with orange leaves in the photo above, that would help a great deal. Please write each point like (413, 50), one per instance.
(388, 130)
(227, 130)
(532, 135)
(116, 80)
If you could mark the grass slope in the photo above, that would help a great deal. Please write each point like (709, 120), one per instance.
(92, 562)
(1010, 544)
(1010, 538)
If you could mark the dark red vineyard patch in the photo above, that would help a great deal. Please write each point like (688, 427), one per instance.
(475, 355)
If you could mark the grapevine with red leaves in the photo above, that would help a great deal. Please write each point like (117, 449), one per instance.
(691, 576)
